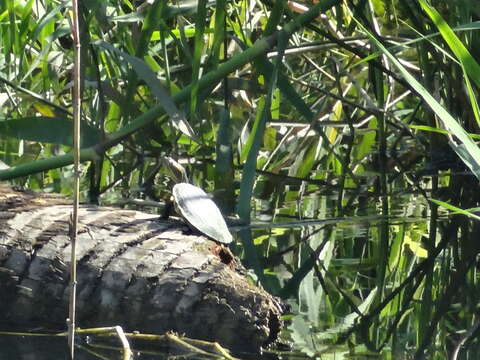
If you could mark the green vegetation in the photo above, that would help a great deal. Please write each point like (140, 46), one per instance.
(344, 131)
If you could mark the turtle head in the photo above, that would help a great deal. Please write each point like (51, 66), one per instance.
(173, 169)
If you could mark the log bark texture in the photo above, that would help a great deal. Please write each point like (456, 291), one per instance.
(134, 270)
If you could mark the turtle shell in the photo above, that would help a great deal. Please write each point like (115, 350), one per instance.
(201, 212)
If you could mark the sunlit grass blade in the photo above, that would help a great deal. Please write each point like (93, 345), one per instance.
(439, 131)
(472, 97)
(456, 210)
(219, 31)
(472, 68)
(197, 53)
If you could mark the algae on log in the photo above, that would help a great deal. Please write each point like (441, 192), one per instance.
(134, 270)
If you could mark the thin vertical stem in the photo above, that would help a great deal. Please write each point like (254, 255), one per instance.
(76, 175)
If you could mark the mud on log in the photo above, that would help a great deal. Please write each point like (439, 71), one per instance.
(134, 270)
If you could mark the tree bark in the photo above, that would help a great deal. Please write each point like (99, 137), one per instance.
(134, 270)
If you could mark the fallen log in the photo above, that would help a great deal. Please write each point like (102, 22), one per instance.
(134, 270)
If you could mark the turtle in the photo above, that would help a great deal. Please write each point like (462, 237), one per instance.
(200, 212)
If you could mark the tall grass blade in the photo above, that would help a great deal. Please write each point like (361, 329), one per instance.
(459, 140)
(197, 53)
(472, 68)
(146, 74)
